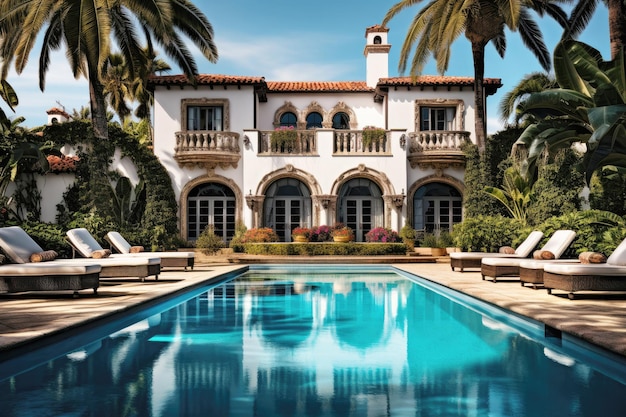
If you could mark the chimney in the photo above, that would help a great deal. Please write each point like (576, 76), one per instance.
(376, 54)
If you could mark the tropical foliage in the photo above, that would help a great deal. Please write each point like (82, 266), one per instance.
(87, 29)
(588, 108)
(439, 23)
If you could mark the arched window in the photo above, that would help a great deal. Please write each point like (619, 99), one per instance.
(287, 205)
(288, 119)
(436, 207)
(314, 120)
(360, 206)
(377, 40)
(211, 204)
(341, 120)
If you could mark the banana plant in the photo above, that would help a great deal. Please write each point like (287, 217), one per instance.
(516, 194)
(128, 201)
(589, 108)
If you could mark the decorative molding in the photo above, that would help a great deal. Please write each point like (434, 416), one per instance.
(205, 101)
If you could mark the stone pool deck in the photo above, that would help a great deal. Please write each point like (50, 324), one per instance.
(599, 318)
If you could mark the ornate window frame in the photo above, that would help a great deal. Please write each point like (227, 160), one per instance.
(459, 117)
(205, 101)
(341, 107)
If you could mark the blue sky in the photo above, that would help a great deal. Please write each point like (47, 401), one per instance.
(320, 41)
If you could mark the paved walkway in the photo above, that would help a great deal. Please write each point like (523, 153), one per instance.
(28, 317)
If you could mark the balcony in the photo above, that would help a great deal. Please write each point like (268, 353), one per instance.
(437, 149)
(351, 143)
(207, 149)
(304, 142)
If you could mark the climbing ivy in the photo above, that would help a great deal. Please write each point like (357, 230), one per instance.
(96, 195)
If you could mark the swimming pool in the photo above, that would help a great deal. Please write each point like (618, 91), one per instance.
(317, 341)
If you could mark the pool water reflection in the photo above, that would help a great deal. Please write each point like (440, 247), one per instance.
(309, 344)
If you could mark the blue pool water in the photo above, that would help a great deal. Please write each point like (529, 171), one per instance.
(315, 341)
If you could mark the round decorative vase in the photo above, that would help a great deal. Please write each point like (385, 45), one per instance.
(300, 239)
(342, 239)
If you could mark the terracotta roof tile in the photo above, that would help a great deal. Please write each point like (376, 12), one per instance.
(318, 86)
(62, 164)
(376, 28)
(205, 79)
(432, 80)
(56, 110)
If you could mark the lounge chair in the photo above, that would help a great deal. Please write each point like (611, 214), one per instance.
(531, 270)
(56, 275)
(609, 276)
(464, 260)
(113, 266)
(168, 259)
(510, 267)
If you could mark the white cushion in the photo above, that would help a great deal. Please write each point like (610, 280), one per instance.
(83, 241)
(17, 244)
(531, 241)
(119, 243)
(49, 268)
(585, 269)
(541, 263)
(618, 257)
(559, 242)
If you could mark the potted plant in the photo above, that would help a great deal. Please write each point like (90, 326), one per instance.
(301, 234)
(373, 136)
(283, 138)
(342, 234)
(435, 244)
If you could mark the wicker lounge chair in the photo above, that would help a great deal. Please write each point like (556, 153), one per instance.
(56, 275)
(531, 270)
(113, 266)
(464, 260)
(168, 259)
(510, 267)
(609, 276)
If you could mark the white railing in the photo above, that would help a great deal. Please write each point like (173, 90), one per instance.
(305, 143)
(350, 142)
(440, 140)
(207, 141)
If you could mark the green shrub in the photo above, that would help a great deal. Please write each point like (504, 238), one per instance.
(209, 242)
(489, 233)
(590, 227)
(49, 237)
(408, 235)
(236, 243)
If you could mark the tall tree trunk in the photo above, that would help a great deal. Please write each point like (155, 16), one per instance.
(480, 125)
(98, 106)
(617, 25)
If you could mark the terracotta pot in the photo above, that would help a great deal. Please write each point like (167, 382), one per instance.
(300, 239)
(342, 239)
(438, 251)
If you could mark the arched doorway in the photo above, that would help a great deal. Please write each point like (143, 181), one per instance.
(360, 206)
(287, 205)
(211, 203)
(436, 207)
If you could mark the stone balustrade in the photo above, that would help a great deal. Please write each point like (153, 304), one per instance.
(207, 148)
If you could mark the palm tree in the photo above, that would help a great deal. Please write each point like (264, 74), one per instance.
(87, 27)
(589, 107)
(582, 13)
(531, 83)
(438, 24)
(120, 87)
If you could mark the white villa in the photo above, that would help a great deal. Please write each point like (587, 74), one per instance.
(215, 139)
(283, 154)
